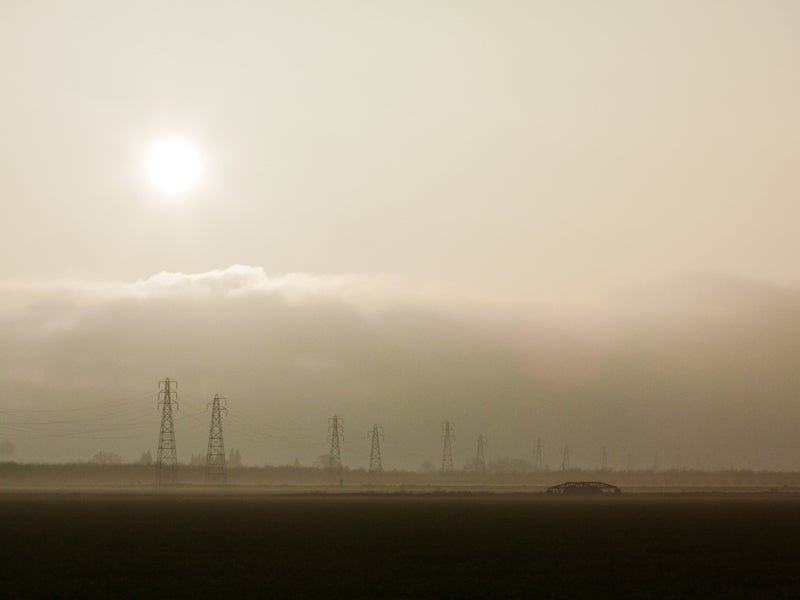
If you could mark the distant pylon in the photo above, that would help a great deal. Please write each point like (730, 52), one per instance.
(538, 467)
(167, 460)
(375, 436)
(655, 461)
(336, 435)
(604, 460)
(215, 457)
(565, 466)
(447, 447)
(480, 454)
(630, 462)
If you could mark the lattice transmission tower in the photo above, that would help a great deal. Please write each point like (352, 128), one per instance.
(216, 471)
(447, 446)
(167, 460)
(604, 460)
(375, 436)
(538, 465)
(336, 435)
(480, 454)
(565, 459)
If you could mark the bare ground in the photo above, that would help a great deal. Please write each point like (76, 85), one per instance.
(191, 542)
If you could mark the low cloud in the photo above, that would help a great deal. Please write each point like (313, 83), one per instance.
(701, 370)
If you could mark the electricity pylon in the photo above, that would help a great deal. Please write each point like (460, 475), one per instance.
(565, 466)
(604, 460)
(537, 463)
(480, 454)
(336, 435)
(447, 447)
(375, 436)
(167, 461)
(215, 457)
(630, 462)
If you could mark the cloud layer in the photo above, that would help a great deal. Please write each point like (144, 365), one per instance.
(702, 372)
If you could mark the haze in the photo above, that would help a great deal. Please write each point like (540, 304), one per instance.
(566, 220)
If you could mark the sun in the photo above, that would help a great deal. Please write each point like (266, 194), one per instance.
(173, 166)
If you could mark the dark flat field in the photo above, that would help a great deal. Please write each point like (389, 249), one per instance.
(193, 544)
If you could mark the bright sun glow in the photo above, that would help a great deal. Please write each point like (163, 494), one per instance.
(173, 166)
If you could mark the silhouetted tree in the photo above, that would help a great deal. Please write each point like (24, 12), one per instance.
(427, 467)
(106, 458)
(511, 465)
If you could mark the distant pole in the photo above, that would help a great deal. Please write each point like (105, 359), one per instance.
(480, 455)
(336, 435)
(604, 460)
(167, 461)
(216, 471)
(630, 462)
(655, 462)
(375, 436)
(447, 447)
(565, 462)
(538, 466)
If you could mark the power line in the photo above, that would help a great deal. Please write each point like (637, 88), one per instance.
(447, 447)
(336, 435)
(215, 456)
(167, 461)
(375, 437)
(480, 454)
(565, 459)
(537, 462)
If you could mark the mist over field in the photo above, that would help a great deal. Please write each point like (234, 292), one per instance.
(701, 370)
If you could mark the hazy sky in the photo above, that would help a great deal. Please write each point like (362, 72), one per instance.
(470, 174)
(514, 145)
